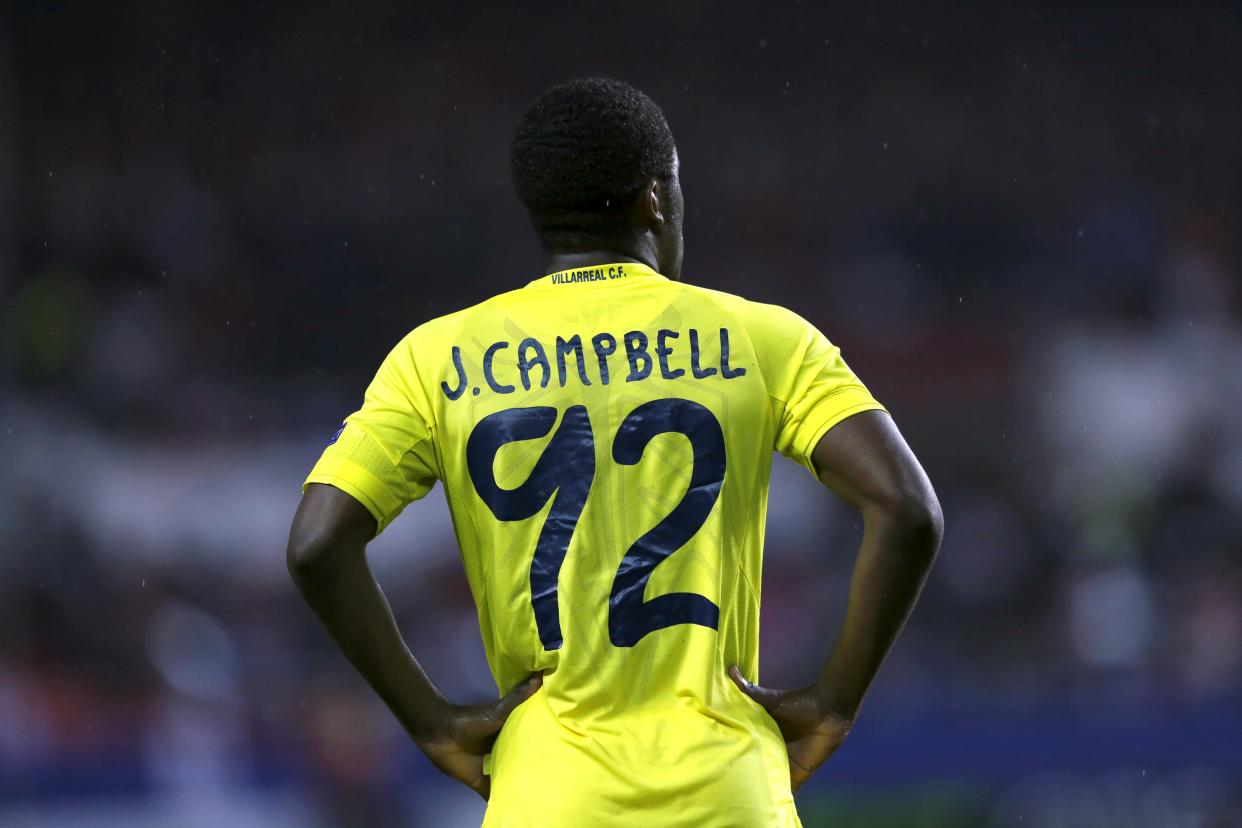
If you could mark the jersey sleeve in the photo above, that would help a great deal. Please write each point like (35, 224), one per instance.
(384, 455)
(813, 387)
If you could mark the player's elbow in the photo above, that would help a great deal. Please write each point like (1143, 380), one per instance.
(914, 515)
(306, 555)
(925, 522)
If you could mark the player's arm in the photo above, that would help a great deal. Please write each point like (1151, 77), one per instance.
(868, 464)
(327, 559)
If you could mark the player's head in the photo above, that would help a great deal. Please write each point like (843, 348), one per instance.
(594, 162)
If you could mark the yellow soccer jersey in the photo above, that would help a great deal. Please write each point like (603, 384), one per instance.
(605, 438)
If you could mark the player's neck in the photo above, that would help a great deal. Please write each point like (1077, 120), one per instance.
(556, 262)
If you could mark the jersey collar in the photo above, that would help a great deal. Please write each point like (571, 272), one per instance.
(617, 273)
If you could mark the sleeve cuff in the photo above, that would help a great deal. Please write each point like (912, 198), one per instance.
(848, 403)
(359, 484)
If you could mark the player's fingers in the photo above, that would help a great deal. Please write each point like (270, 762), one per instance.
(762, 695)
(736, 675)
(519, 694)
(482, 783)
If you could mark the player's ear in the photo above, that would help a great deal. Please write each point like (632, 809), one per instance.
(654, 203)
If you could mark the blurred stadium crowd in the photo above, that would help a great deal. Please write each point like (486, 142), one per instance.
(1021, 225)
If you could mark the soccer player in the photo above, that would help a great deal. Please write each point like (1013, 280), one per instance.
(605, 435)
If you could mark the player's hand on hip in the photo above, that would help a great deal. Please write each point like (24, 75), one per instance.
(812, 731)
(458, 746)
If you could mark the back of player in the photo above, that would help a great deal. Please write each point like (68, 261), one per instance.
(605, 436)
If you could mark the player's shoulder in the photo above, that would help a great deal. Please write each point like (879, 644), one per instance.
(450, 327)
(761, 319)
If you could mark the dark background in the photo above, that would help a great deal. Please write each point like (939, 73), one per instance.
(1021, 224)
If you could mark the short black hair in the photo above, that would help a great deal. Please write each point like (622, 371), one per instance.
(582, 153)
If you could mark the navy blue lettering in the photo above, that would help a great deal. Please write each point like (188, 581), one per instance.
(663, 351)
(565, 347)
(453, 394)
(699, 373)
(602, 352)
(488, 356)
(525, 364)
(636, 353)
(725, 370)
(563, 472)
(630, 615)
